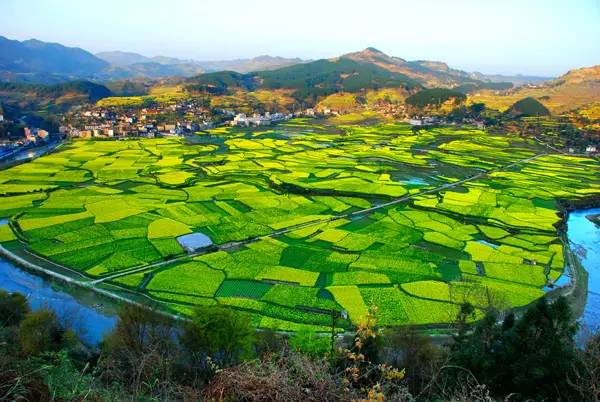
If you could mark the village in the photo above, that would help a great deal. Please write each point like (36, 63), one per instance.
(182, 118)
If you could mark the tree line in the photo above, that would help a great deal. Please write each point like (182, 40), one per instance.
(218, 356)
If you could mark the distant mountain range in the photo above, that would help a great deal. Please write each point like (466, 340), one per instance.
(128, 59)
(33, 58)
(41, 62)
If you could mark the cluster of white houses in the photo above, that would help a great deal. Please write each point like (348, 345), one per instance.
(256, 120)
(146, 122)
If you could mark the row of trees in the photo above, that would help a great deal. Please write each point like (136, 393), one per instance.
(218, 356)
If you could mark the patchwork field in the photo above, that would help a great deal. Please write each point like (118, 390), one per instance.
(289, 210)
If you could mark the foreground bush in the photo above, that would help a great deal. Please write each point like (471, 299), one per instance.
(294, 377)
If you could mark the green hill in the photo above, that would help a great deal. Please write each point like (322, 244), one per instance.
(221, 82)
(37, 99)
(324, 77)
(308, 81)
(527, 107)
(433, 96)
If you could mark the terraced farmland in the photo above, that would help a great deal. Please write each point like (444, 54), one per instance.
(299, 219)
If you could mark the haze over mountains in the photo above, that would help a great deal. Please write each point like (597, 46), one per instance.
(42, 62)
(129, 59)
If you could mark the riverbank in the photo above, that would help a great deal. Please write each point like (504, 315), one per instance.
(105, 296)
(29, 154)
(81, 310)
(584, 241)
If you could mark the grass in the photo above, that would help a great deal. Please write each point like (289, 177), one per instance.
(167, 228)
(286, 274)
(183, 279)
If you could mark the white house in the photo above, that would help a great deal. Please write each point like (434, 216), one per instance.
(256, 120)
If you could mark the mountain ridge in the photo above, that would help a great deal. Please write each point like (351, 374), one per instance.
(44, 62)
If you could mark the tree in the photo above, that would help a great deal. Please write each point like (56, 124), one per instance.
(416, 353)
(530, 356)
(585, 378)
(13, 308)
(223, 335)
(310, 343)
(475, 109)
(141, 351)
(540, 350)
(40, 332)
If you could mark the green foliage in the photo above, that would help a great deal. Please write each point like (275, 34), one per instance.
(310, 343)
(13, 308)
(220, 82)
(40, 332)
(63, 378)
(324, 77)
(528, 107)
(529, 356)
(219, 333)
(308, 80)
(434, 96)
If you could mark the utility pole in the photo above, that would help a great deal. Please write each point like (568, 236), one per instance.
(334, 315)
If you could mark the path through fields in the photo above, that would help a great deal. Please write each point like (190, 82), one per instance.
(361, 213)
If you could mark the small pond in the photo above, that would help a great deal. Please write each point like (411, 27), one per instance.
(194, 241)
(415, 181)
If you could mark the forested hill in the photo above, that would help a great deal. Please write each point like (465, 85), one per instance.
(351, 73)
(22, 98)
(308, 81)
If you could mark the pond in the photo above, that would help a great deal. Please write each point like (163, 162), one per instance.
(194, 241)
(79, 308)
(584, 236)
(487, 243)
(415, 181)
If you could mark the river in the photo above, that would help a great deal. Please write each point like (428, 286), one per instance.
(91, 321)
(584, 236)
(79, 308)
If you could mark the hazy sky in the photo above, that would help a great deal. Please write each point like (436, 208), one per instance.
(544, 37)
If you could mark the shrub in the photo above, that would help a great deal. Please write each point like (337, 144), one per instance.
(219, 334)
(13, 308)
(40, 332)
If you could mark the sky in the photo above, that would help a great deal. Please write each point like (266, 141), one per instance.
(537, 37)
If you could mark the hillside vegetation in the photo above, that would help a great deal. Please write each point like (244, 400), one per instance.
(20, 98)
(308, 81)
(434, 96)
(575, 89)
(527, 107)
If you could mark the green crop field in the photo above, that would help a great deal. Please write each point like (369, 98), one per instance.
(285, 209)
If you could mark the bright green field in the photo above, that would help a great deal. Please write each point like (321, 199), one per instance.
(107, 207)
